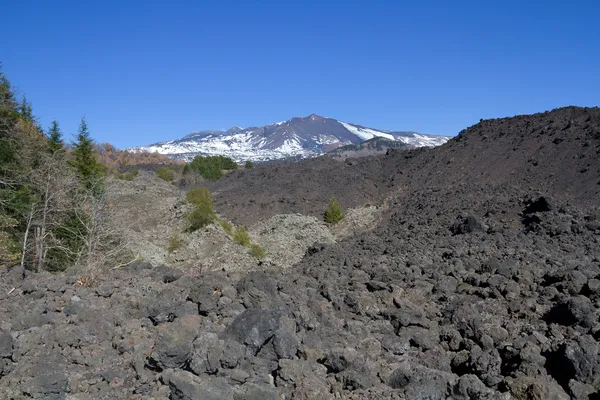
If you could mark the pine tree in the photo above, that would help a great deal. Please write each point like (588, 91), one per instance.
(334, 213)
(249, 164)
(26, 110)
(55, 142)
(84, 157)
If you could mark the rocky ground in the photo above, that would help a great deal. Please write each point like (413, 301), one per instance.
(481, 288)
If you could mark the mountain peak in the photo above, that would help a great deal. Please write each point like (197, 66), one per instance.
(299, 137)
(315, 117)
(234, 129)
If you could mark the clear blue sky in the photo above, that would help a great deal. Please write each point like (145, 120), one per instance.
(144, 71)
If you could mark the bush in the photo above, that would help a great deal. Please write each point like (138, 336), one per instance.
(199, 218)
(257, 251)
(249, 164)
(227, 227)
(166, 174)
(201, 198)
(203, 213)
(210, 168)
(175, 243)
(334, 213)
(241, 237)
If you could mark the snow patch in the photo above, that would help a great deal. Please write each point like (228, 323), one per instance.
(366, 133)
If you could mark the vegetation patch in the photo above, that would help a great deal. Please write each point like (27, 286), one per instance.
(203, 213)
(242, 237)
(226, 225)
(210, 168)
(165, 173)
(175, 243)
(334, 213)
(257, 251)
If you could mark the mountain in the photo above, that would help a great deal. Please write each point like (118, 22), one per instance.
(299, 137)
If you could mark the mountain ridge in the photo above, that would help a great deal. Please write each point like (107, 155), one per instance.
(297, 137)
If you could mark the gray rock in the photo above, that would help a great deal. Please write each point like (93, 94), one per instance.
(420, 382)
(593, 287)
(285, 343)
(575, 310)
(6, 344)
(253, 328)
(306, 379)
(208, 349)
(581, 357)
(468, 225)
(174, 342)
(187, 386)
(105, 289)
(48, 378)
(536, 388)
(470, 387)
(581, 391)
(233, 352)
(252, 391)
(205, 293)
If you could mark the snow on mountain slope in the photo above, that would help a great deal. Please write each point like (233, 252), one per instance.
(299, 137)
(365, 133)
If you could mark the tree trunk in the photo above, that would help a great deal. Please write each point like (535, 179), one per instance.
(26, 235)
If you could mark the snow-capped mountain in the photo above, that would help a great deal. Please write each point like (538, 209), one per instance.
(299, 137)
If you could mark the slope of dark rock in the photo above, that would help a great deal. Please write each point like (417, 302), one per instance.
(556, 152)
(413, 309)
(248, 196)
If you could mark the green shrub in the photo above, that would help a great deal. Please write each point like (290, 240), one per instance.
(165, 173)
(334, 213)
(257, 251)
(241, 236)
(203, 213)
(199, 218)
(200, 197)
(249, 164)
(175, 243)
(226, 225)
(210, 168)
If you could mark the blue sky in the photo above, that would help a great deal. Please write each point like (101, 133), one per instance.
(144, 71)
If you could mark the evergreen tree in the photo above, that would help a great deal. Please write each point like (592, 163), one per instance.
(26, 114)
(8, 104)
(334, 213)
(249, 164)
(55, 142)
(26, 110)
(84, 157)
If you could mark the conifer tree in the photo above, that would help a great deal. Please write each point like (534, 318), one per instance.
(84, 157)
(334, 213)
(26, 110)
(55, 142)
